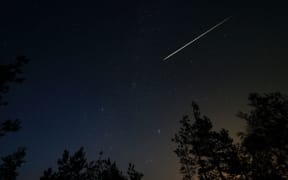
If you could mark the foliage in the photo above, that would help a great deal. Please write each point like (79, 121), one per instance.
(266, 138)
(77, 167)
(8, 169)
(261, 154)
(205, 152)
(9, 73)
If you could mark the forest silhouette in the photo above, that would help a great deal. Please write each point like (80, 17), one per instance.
(261, 153)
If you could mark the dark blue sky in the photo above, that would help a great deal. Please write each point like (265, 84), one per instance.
(96, 77)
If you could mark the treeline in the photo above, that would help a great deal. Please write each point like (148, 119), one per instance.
(70, 167)
(262, 152)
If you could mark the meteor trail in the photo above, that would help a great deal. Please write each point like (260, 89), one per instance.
(201, 35)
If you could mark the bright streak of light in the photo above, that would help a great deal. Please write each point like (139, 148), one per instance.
(195, 39)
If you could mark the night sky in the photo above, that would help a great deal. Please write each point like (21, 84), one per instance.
(97, 77)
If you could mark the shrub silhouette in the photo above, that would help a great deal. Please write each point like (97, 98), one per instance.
(77, 167)
(261, 154)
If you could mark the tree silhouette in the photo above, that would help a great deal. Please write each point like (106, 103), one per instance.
(77, 167)
(9, 73)
(204, 152)
(261, 154)
(266, 136)
(8, 169)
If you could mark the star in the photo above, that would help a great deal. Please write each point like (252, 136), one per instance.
(148, 161)
(101, 109)
(133, 85)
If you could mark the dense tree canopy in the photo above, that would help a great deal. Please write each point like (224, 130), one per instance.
(204, 152)
(261, 154)
(266, 137)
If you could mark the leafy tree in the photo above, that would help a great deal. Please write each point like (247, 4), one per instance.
(203, 152)
(266, 136)
(8, 169)
(9, 73)
(261, 154)
(77, 167)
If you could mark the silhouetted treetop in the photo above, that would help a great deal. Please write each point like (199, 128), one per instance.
(77, 167)
(203, 152)
(261, 154)
(10, 73)
(267, 121)
(8, 169)
(266, 136)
